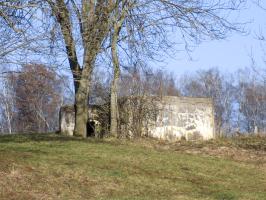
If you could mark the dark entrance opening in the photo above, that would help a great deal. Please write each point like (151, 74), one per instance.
(90, 129)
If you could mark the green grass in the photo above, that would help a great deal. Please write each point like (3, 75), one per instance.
(57, 167)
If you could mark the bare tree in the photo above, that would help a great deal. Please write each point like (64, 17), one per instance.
(37, 98)
(85, 26)
(7, 102)
(120, 13)
(251, 98)
(136, 104)
(211, 83)
(146, 26)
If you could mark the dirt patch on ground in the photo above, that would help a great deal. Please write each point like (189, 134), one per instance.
(242, 149)
(256, 157)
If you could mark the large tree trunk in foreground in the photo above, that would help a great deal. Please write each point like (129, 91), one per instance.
(93, 23)
(81, 109)
(82, 86)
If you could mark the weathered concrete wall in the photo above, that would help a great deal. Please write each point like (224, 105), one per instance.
(176, 118)
(191, 118)
(67, 120)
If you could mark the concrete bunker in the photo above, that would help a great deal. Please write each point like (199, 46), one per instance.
(175, 118)
(67, 121)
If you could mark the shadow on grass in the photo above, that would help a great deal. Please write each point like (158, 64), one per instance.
(55, 137)
(245, 142)
(40, 137)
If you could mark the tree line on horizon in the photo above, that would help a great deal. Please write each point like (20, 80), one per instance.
(30, 99)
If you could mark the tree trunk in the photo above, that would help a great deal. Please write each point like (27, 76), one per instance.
(114, 107)
(114, 131)
(93, 22)
(81, 113)
(81, 105)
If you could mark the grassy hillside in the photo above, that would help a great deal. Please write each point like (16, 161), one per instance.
(57, 167)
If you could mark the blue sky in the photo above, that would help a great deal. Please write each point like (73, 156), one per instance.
(227, 55)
